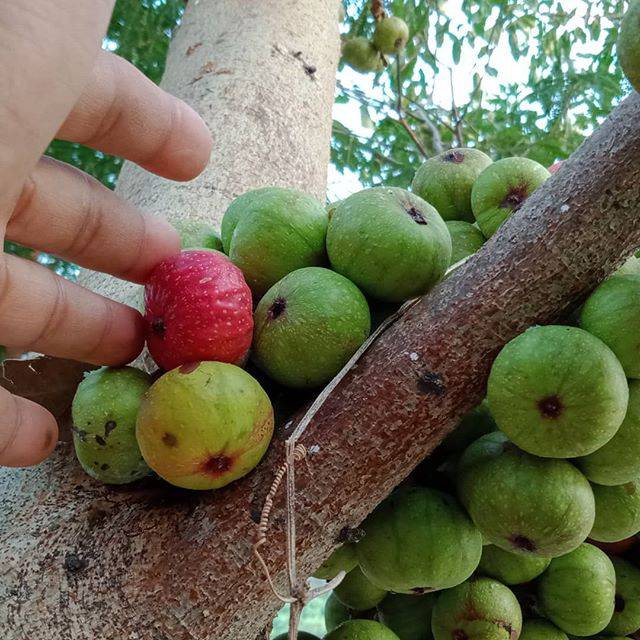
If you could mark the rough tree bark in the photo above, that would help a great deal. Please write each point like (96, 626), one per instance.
(84, 561)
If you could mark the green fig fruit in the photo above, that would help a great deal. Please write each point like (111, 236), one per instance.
(408, 616)
(361, 630)
(557, 392)
(198, 235)
(522, 503)
(537, 629)
(271, 232)
(478, 609)
(391, 35)
(629, 44)
(389, 242)
(104, 414)
(502, 188)
(205, 424)
(472, 426)
(618, 461)
(419, 540)
(577, 591)
(445, 182)
(357, 592)
(308, 325)
(466, 239)
(612, 313)
(360, 54)
(335, 613)
(510, 568)
(343, 558)
(626, 613)
(617, 511)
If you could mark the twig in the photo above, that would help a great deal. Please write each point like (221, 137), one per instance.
(455, 114)
(401, 118)
(377, 10)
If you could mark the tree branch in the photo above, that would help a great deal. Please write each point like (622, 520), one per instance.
(178, 564)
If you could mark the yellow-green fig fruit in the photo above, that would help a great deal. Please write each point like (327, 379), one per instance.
(629, 44)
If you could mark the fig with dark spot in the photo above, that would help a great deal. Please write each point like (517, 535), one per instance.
(344, 558)
(198, 235)
(522, 503)
(419, 540)
(220, 417)
(617, 512)
(104, 414)
(618, 461)
(271, 232)
(360, 54)
(577, 591)
(626, 610)
(629, 44)
(466, 239)
(445, 181)
(308, 325)
(478, 609)
(391, 35)
(510, 568)
(612, 313)
(409, 617)
(538, 629)
(357, 592)
(389, 242)
(361, 630)
(557, 392)
(502, 188)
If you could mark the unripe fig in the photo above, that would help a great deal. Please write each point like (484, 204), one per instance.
(626, 613)
(308, 325)
(408, 616)
(344, 558)
(466, 239)
(205, 424)
(104, 414)
(198, 235)
(391, 35)
(502, 188)
(357, 592)
(361, 630)
(446, 180)
(577, 591)
(335, 613)
(360, 54)
(510, 568)
(617, 511)
(271, 232)
(538, 629)
(557, 392)
(629, 44)
(612, 313)
(389, 242)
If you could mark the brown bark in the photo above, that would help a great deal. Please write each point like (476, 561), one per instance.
(83, 561)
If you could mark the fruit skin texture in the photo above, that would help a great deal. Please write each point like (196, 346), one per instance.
(203, 425)
(612, 313)
(626, 616)
(199, 235)
(391, 35)
(541, 630)
(361, 630)
(502, 188)
(466, 239)
(618, 461)
(478, 609)
(360, 54)
(403, 549)
(445, 181)
(510, 568)
(577, 591)
(271, 232)
(409, 617)
(617, 512)
(357, 592)
(104, 414)
(308, 325)
(557, 392)
(629, 44)
(389, 242)
(197, 307)
(335, 613)
(343, 558)
(522, 503)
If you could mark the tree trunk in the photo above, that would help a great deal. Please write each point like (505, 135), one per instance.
(262, 75)
(85, 561)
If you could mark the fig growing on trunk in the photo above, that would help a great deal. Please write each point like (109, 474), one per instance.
(629, 44)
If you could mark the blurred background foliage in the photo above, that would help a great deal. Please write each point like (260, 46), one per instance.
(529, 78)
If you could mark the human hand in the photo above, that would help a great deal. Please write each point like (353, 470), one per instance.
(56, 82)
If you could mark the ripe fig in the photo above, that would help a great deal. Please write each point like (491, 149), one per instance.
(391, 35)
